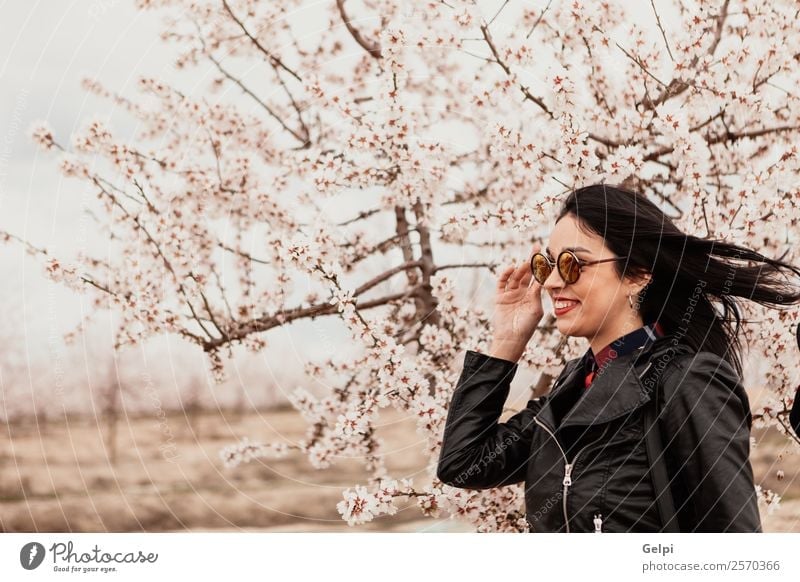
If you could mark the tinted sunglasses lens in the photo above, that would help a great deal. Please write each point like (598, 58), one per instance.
(540, 268)
(568, 267)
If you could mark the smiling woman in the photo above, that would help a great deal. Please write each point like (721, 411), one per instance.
(596, 300)
(650, 429)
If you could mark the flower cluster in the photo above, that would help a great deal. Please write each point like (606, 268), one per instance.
(245, 451)
(767, 499)
(42, 135)
(66, 274)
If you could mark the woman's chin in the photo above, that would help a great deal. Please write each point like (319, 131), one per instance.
(567, 327)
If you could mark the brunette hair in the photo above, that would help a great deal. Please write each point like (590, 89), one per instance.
(689, 273)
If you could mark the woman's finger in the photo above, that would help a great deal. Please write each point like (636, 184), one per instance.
(501, 282)
(535, 288)
(519, 272)
(526, 278)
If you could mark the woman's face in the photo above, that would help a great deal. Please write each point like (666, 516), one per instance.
(603, 312)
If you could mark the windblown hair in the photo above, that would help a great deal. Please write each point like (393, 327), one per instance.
(689, 273)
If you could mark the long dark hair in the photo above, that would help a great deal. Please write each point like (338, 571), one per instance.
(688, 272)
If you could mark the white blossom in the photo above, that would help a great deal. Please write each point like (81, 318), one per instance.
(358, 506)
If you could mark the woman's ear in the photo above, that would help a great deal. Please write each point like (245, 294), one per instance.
(640, 282)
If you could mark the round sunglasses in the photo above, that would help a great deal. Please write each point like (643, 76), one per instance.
(569, 266)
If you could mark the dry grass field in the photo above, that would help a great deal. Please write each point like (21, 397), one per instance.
(59, 477)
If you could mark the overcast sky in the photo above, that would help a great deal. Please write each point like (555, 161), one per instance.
(46, 47)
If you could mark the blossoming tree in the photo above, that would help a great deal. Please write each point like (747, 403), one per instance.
(458, 124)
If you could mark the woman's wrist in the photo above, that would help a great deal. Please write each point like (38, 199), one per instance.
(510, 350)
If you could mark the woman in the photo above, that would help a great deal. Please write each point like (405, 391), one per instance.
(624, 277)
(794, 415)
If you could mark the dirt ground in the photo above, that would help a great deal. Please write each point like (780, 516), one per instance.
(168, 476)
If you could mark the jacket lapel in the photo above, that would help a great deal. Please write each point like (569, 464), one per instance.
(616, 389)
(573, 372)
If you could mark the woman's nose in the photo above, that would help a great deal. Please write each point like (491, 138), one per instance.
(554, 280)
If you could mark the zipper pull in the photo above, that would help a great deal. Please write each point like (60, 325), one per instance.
(598, 523)
(567, 475)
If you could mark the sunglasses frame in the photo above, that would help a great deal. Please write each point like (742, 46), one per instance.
(580, 262)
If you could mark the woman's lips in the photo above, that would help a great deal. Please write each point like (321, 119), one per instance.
(564, 310)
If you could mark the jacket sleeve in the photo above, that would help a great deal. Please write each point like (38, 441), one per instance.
(794, 415)
(707, 446)
(478, 452)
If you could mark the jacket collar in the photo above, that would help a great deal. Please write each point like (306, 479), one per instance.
(625, 344)
(616, 389)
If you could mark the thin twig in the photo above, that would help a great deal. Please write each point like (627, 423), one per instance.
(373, 48)
(242, 254)
(528, 95)
(638, 61)
(538, 20)
(496, 14)
(207, 305)
(274, 61)
(661, 28)
(361, 215)
(255, 98)
(490, 266)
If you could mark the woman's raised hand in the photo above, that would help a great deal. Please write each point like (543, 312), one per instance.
(518, 308)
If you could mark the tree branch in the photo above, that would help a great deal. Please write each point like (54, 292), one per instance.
(242, 253)
(301, 138)
(274, 61)
(267, 322)
(490, 266)
(676, 87)
(661, 28)
(384, 276)
(373, 48)
(538, 20)
(527, 93)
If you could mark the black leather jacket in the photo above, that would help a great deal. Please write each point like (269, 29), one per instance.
(594, 462)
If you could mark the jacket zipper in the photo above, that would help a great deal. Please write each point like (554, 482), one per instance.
(567, 482)
(598, 523)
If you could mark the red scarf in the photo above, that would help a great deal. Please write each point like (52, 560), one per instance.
(621, 346)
